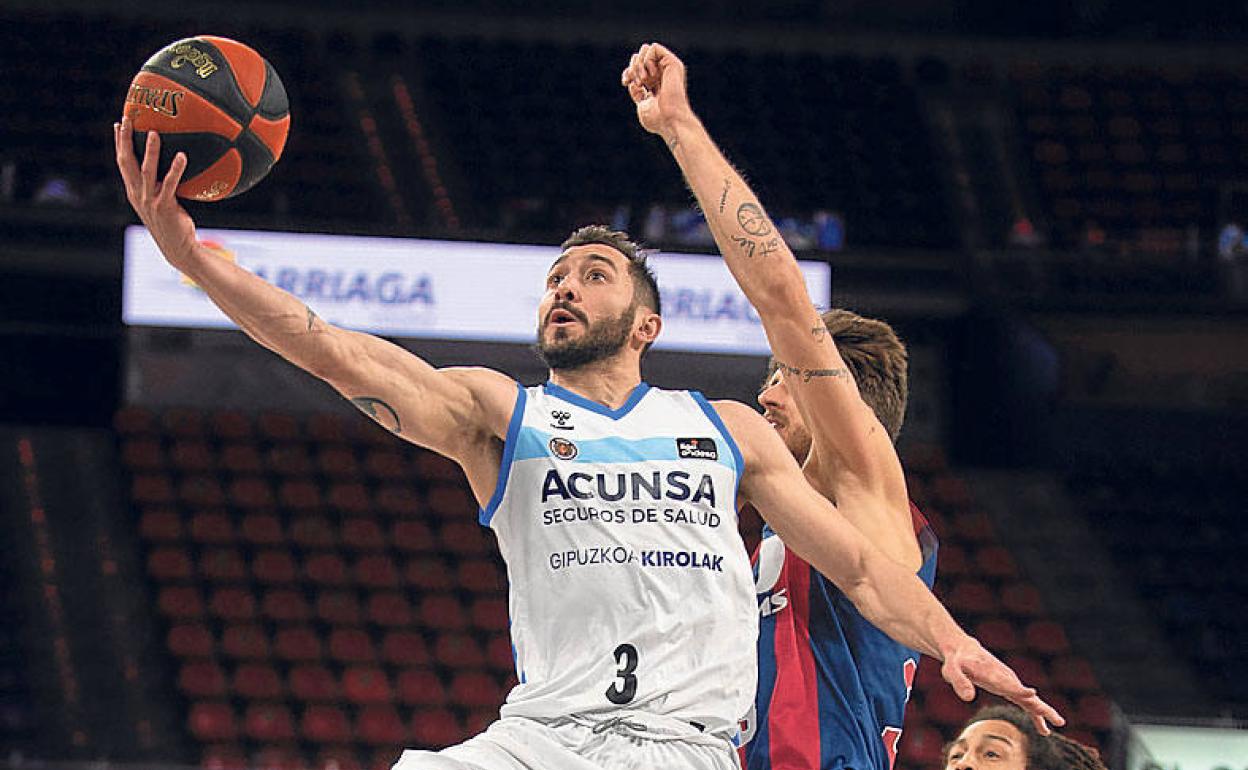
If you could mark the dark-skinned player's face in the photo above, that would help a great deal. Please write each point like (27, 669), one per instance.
(589, 310)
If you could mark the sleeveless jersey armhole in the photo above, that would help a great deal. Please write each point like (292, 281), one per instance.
(486, 514)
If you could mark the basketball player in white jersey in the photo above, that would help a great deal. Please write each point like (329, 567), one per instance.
(631, 595)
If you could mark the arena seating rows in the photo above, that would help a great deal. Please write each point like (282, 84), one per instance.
(329, 598)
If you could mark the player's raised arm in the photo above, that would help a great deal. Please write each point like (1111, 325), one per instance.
(889, 596)
(451, 411)
(847, 437)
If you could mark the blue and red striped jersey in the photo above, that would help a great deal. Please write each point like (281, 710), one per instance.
(832, 688)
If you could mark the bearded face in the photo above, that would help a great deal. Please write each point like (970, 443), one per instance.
(561, 346)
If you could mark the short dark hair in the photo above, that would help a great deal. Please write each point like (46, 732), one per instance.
(645, 285)
(877, 359)
(1044, 752)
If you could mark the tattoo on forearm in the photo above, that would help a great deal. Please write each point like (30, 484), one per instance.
(752, 219)
(806, 375)
(747, 246)
(673, 143)
(770, 247)
(380, 411)
(312, 316)
(819, 331)
(723, 196)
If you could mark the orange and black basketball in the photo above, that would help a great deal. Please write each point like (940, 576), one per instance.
(219, 102)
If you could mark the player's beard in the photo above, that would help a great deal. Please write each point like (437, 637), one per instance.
(601, 340)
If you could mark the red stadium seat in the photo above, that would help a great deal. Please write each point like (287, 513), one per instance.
(489, 613)
(457, 650)
(274, 566)
(399, 500)
(134, 420)
(1022, 600)
(404, 648)
(327, 569)
(258, 681)
(278, 758)
(338, 607)
(160, 525)
(212, 722)
(201, 491)
(1047, 638)
(246, 642)
(420, 687)
(943, 708)
(998, 635)
(1030, 670)
(300, 495)
(475, 689)
(182, 602)
(381, 726)
(478, 720)
(313, 532)
(443, 612)
(1074, 673)
(230, 425)
(451, 502)
(252, 493)
(269, 722)
(313, 682)
(191, 640)
(338, 758)
(298, 643)
(325, 723)
(223, 565)
(224, 757)
(502, 657)
(285, 605)
(262, 528)
(386, 465)
(412, 536)
(337, 462)
(192, 456)
(377, 571)
(351, 645)
(241, 458)
(950, 492)
(326, 428)
(389, 608)
(212, 527)
(436, 728)
(202, 679)
(277, 427)
(350, 497)
(232, 603)
(168, 563)
(952, 562)
(480, 576)
(995, 561)
(970, 598)
(152, 488)
(289, 460)
(366, 685)
(920, 746)
(1094, 711)
(362, 533)
(429, 573)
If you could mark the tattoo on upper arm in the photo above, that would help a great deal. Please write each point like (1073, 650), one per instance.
(806, 375)
(819, 331)
(673, 143)
(747, 246)
(770, 247)
(312, 316)
(723, 196)
(380, 411)
(752, 219)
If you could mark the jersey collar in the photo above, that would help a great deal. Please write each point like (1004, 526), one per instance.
(633, 399)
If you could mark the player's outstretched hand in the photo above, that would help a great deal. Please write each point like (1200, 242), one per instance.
(969, 666)
(155, 201)
(655, 79)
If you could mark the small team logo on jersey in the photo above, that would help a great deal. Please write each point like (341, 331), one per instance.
(560, 420)
(562, 448)
(697, 449)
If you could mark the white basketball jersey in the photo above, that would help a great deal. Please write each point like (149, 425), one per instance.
(630, 587)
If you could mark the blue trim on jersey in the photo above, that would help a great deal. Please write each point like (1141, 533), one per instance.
(509, 451)
(715, 419)
(575, 398)
(534, 443)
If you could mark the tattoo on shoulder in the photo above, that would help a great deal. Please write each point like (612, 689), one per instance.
(806, 375)
(752, 219)
(723, 196)
(380, 411)
(746, 245)
(312, 316)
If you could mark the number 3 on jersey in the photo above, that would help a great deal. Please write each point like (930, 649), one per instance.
(624, 688)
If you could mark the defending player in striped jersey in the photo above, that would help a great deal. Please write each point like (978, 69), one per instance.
(832, 686)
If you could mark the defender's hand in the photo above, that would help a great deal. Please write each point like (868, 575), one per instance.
(969, 666)
(655, 79)
(155, 202)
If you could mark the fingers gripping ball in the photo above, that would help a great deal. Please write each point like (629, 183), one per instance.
(219, 102)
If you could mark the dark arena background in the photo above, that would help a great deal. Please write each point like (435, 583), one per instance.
(208, 560)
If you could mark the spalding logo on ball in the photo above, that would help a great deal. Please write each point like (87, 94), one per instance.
(219, 102)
